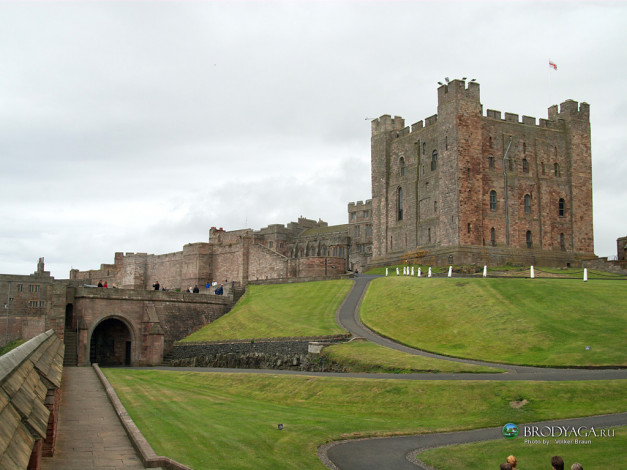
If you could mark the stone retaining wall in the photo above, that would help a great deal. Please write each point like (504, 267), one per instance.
(30, 379)
(288, 354)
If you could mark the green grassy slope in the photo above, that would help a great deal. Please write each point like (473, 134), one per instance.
(520, 321)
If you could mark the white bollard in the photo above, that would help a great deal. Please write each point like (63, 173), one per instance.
(531, 273)
(397, 271)
(412, 271)
(404, 270)
(429, 275)
(386, 272)
(450, 271)
(585, 274)
(485, 271)
(419, 272)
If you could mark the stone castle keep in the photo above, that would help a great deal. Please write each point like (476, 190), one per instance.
(460, 187)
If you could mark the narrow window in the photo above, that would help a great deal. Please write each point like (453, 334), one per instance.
(527, 204)
(524, 147)
(270, 244)
(556, 169)
(469, 227)
(469, 194)
(366, 214)
(493, 236)
(20, 287)
(490, 142)
(528, 238)
(491, 161)
(555, 151)
(561, 207)
(429, 234)
(391, 242)
(427, 187)
(424, 148)
(435, 206)
(510, 164)
(434, 160)
(402, 166)
(446, 142)
(492, 200)
(562, 242)
(525, 166)
(399, 203)
(353, 215)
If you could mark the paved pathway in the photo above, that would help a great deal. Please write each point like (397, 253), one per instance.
(89, 433)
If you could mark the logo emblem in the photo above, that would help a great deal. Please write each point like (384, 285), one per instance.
(510, 431)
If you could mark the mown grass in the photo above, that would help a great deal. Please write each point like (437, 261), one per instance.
(365, 356)
(518, 321)
(600, 454)
(229, 421)
(282, 310)
(11, 345)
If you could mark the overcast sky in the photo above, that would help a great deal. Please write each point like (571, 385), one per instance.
(136, 126)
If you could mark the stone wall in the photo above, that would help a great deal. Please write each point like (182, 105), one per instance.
(30, 378)
(431, 182)
(291, 354)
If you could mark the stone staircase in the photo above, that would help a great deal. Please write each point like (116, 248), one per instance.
(70, 359)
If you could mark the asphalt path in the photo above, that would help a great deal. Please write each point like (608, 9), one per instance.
(394, 452)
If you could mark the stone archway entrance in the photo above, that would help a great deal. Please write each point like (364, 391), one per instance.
(111, 343)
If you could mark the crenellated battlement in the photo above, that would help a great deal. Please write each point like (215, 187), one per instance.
(387, 123)
(457, 90)
(359, 204)
(567, 110)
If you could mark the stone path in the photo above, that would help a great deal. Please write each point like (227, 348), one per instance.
(89, 433)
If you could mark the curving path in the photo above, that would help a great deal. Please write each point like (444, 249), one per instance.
(395, 452)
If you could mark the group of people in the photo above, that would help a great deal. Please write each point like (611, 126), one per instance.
(556, 461)
(219, 290)
(101, 284)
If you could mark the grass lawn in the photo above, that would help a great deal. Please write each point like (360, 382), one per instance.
(281, 310)
(11, 345)
(229, 421)
(600, 454)
(364, 356)
(545, 322)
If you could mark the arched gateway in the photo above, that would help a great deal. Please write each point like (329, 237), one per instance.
(111, 343)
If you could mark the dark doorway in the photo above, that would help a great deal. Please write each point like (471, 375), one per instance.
(111, 344)
(70, 358)
(69, 317)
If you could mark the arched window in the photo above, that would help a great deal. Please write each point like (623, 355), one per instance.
(556, 169)
(492, 237)
(401, 164)
(562, 242)
(528, 238)
(490, 161)
(525, 165)
(493, 200)
(561, 207)
(434, 160)
(399, 203)
(527, 204)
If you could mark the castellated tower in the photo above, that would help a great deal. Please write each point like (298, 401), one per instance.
(463, 188)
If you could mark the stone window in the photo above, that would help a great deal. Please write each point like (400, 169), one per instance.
(323, 250)
(399, 203)
(527, 204)
(435, 206)
(270, 244)
(42, 304)
(401, 163)
(353, 215)
(490, 142)
(424, 148)
(493, 200)
(525, 165)
(366, 214)
(510, 164)
(524, 147)
(357, 231)
(446, 142)
(434, 160)
(368, 230)
(561, 207)
(490, 161)
(562, 242)
(529, 239)
(427, 187)
(492, 237)
(391, 242)
(33, 303)
(469, 227)
(20, 287)
(429, 234)
(33, 288)
(556, 169)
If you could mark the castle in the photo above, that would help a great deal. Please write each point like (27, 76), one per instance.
(459, 187)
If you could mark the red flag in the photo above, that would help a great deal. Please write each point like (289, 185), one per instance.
(553, 65)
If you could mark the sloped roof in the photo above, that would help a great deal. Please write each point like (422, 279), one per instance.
(324, 230)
